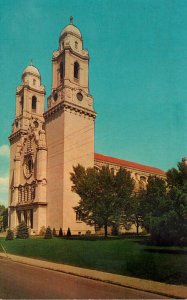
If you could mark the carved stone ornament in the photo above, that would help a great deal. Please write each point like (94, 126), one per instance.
(68, 93)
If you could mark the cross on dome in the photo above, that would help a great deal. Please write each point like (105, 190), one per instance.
(71, 29)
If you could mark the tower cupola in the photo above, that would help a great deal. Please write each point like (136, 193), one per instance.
(70, 36)
(71, 29)
(31, 76)
(70, 69)
(29, 99)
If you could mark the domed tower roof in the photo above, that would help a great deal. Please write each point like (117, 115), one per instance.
(72, 29)
(31, 70)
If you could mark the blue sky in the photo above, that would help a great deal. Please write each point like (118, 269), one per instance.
(138, 71)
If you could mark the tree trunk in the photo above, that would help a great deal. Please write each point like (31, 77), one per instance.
(106, 232)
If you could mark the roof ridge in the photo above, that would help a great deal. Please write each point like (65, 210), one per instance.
(128, 163)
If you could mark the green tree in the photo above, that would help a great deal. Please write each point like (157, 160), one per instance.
(54, 232)
(165, 207)
(5, 218)
(103, 195)
(60, 234)
(48, 233)
(155, 204)
(134, 212)
(2, 209)
(9, 235)
(22, 231)
(177, 192)
(177, 177)
(68, 232)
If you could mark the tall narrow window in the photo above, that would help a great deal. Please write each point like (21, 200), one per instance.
(34, 103)
(61, 71)
(78, 216)
(19, 194)
(25, 216)
(33, 192)
(19, 216)
(21, 103)
(31, 218)
(76, 70)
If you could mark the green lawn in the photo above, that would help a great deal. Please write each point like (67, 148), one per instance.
(122, 256)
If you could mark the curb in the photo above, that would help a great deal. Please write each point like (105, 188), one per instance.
(174, 291)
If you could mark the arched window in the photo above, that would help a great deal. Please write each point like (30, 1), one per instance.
(30, 166)
(34, 81)
(34, 103)
(76, 70)
(61, 70)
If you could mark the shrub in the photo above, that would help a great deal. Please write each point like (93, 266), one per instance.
(69, 232)
(9, 235)
(42, 231)
(60, 232)
(88, 233)
(115, 229)
(22, 231)
(48, 233)
(54, 232)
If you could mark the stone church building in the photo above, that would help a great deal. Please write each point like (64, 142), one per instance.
(44, 145)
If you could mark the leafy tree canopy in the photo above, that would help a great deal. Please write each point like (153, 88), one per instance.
(165, 207)
(2, 208)
(103, 194)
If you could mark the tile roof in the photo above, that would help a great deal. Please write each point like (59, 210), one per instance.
(127, 164)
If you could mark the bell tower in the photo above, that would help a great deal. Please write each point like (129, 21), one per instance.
(70, 68)
(69, 128)
(28, 154)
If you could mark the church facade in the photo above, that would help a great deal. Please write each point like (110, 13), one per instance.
(45, 145)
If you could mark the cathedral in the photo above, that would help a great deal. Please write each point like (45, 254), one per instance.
(45, 145)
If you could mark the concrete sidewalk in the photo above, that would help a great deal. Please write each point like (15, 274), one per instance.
(173, 291)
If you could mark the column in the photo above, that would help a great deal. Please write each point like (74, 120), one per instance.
(28, 218)
(17, 165)
(41, 167)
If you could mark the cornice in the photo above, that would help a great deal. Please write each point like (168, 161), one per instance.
(84, 57)
(41, 148)
(140, 171)
(17, 134)
(27, 205)
(67, 106)
(72, 85)
(31, 89)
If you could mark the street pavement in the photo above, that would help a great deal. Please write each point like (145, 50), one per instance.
(21, 281)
